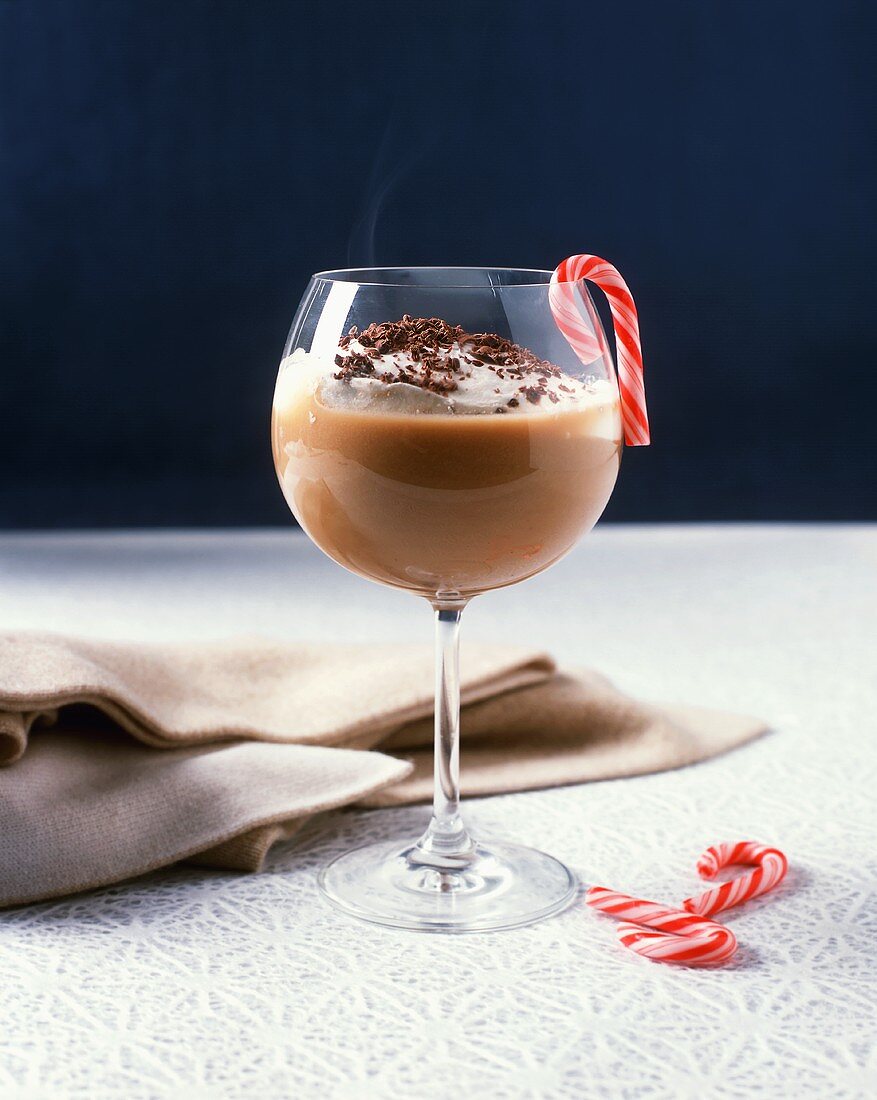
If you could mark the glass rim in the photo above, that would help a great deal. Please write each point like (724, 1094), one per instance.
(358, 276)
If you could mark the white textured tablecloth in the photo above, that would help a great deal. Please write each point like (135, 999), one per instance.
(199, 984)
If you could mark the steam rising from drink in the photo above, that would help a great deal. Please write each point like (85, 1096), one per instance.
(388, 169)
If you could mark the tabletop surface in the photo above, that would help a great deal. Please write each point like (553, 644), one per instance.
(204, 984)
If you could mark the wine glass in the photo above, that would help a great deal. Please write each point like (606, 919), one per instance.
(433, 431)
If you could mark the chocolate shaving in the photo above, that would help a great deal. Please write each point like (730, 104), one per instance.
(427, 341)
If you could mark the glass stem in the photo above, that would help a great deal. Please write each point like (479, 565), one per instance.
(446, 842)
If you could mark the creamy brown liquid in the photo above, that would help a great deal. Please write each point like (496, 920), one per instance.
(451, 504)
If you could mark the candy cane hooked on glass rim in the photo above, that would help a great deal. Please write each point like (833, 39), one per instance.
(664, 934)
(770, 869)
(563, 299)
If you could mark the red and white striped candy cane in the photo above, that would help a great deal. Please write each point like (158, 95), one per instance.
(563, 299)
(664, 934)
(686, 935)
(770, 869)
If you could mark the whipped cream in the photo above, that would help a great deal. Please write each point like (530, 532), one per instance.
(481, 387)
(424, 366)
(478, 391)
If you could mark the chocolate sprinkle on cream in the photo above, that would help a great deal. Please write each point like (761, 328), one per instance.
(428, 343)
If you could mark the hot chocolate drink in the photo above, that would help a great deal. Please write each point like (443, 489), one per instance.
(441, 461)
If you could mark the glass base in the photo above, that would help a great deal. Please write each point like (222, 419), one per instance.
(505, 886)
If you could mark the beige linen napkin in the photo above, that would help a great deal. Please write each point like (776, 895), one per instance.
(259, 735)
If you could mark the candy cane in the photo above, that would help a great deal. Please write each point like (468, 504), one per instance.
(664, 934)
(562, 297)
(686, 935)
(770, 869)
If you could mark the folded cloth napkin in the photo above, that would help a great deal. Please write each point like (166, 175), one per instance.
(256, 736)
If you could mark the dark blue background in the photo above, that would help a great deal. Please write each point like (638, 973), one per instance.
(172, 172)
